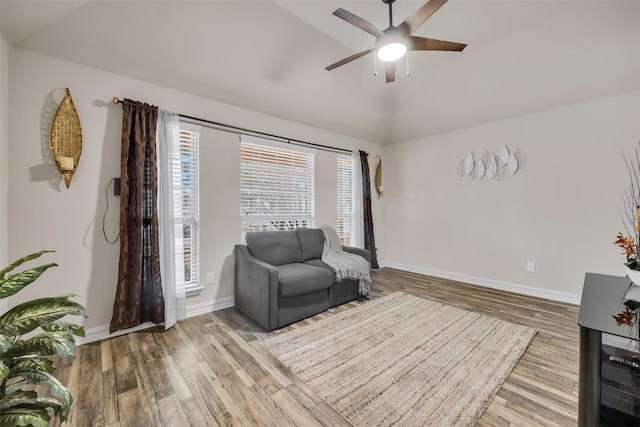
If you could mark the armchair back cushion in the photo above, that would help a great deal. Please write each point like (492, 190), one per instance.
(275, 247)
(311, 242)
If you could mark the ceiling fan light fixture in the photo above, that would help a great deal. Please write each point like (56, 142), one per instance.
(391, 51)
(393, 43)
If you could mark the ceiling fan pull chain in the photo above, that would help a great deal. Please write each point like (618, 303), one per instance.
(407, 64)
(375, 65)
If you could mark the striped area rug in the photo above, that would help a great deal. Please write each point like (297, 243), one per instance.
(404, 361)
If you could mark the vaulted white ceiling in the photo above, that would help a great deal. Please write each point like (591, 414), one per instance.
(269, 56)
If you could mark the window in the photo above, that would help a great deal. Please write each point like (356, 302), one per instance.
(344, 173)
(276, 186)
(186, 206)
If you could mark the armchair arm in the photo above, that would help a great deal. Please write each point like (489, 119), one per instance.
(256, 288)
(364, 253)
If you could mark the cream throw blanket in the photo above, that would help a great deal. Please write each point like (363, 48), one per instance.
(346, 265)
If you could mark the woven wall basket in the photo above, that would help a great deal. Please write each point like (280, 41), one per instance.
(378, 177)
(65, 138)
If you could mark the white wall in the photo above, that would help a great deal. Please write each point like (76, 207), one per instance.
(4, 148)
(4, 161)
(560, 211)
(44, 214)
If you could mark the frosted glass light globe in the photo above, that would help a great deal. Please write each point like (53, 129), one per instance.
(391, 52)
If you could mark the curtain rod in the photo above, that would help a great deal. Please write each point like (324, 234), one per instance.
(254, 132)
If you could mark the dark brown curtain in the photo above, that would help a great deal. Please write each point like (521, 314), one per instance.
(139, 294)
(369, 238)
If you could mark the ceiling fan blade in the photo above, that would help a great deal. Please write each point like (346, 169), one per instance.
(358, 22)
(417, 18)
(390, 71)
(348, 59)
(421, 43)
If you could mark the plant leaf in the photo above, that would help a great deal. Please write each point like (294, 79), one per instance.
(60, 326)
(46, 344)
(17, 386)
(42, 364)
(48, 402)
(22, 261)
(12, 284)
(23, 416)
(28, 316)
(5, 343)
(30, 401)
(4, 371)
(55, 386)
(20, 397)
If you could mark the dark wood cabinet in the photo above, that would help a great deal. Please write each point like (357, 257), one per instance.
(609, 393)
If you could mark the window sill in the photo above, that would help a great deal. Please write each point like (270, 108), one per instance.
(193, 291)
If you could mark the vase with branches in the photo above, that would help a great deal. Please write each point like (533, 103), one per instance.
(629, 241)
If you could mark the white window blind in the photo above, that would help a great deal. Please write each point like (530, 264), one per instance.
(277, 186)
(344, 174)
(186, 206)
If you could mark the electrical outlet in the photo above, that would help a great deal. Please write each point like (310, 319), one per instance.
(531, 266)
(211, 278)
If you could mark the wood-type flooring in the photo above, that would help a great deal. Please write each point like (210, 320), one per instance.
(211, 369)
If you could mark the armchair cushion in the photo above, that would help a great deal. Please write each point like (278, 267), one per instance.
(274, 247)
(300, 279)
(311, 242)
(318, 263)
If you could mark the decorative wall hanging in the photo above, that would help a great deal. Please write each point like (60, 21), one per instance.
(65, 138)
(378, 178)
(492, 166)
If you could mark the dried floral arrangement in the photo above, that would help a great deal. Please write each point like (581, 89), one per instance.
(630, 214)
(630, 243)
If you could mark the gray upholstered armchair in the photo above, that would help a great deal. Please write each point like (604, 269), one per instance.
(280, 278)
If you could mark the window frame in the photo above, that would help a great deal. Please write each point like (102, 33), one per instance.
(344, 198)
(289, 170)
(192, 286)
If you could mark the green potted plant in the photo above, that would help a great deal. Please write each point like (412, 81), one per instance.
(26, 367)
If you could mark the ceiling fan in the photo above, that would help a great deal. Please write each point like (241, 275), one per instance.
(392, 44)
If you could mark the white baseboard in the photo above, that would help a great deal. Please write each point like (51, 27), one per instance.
(565, 297)
(209, 306)
(102, 332)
